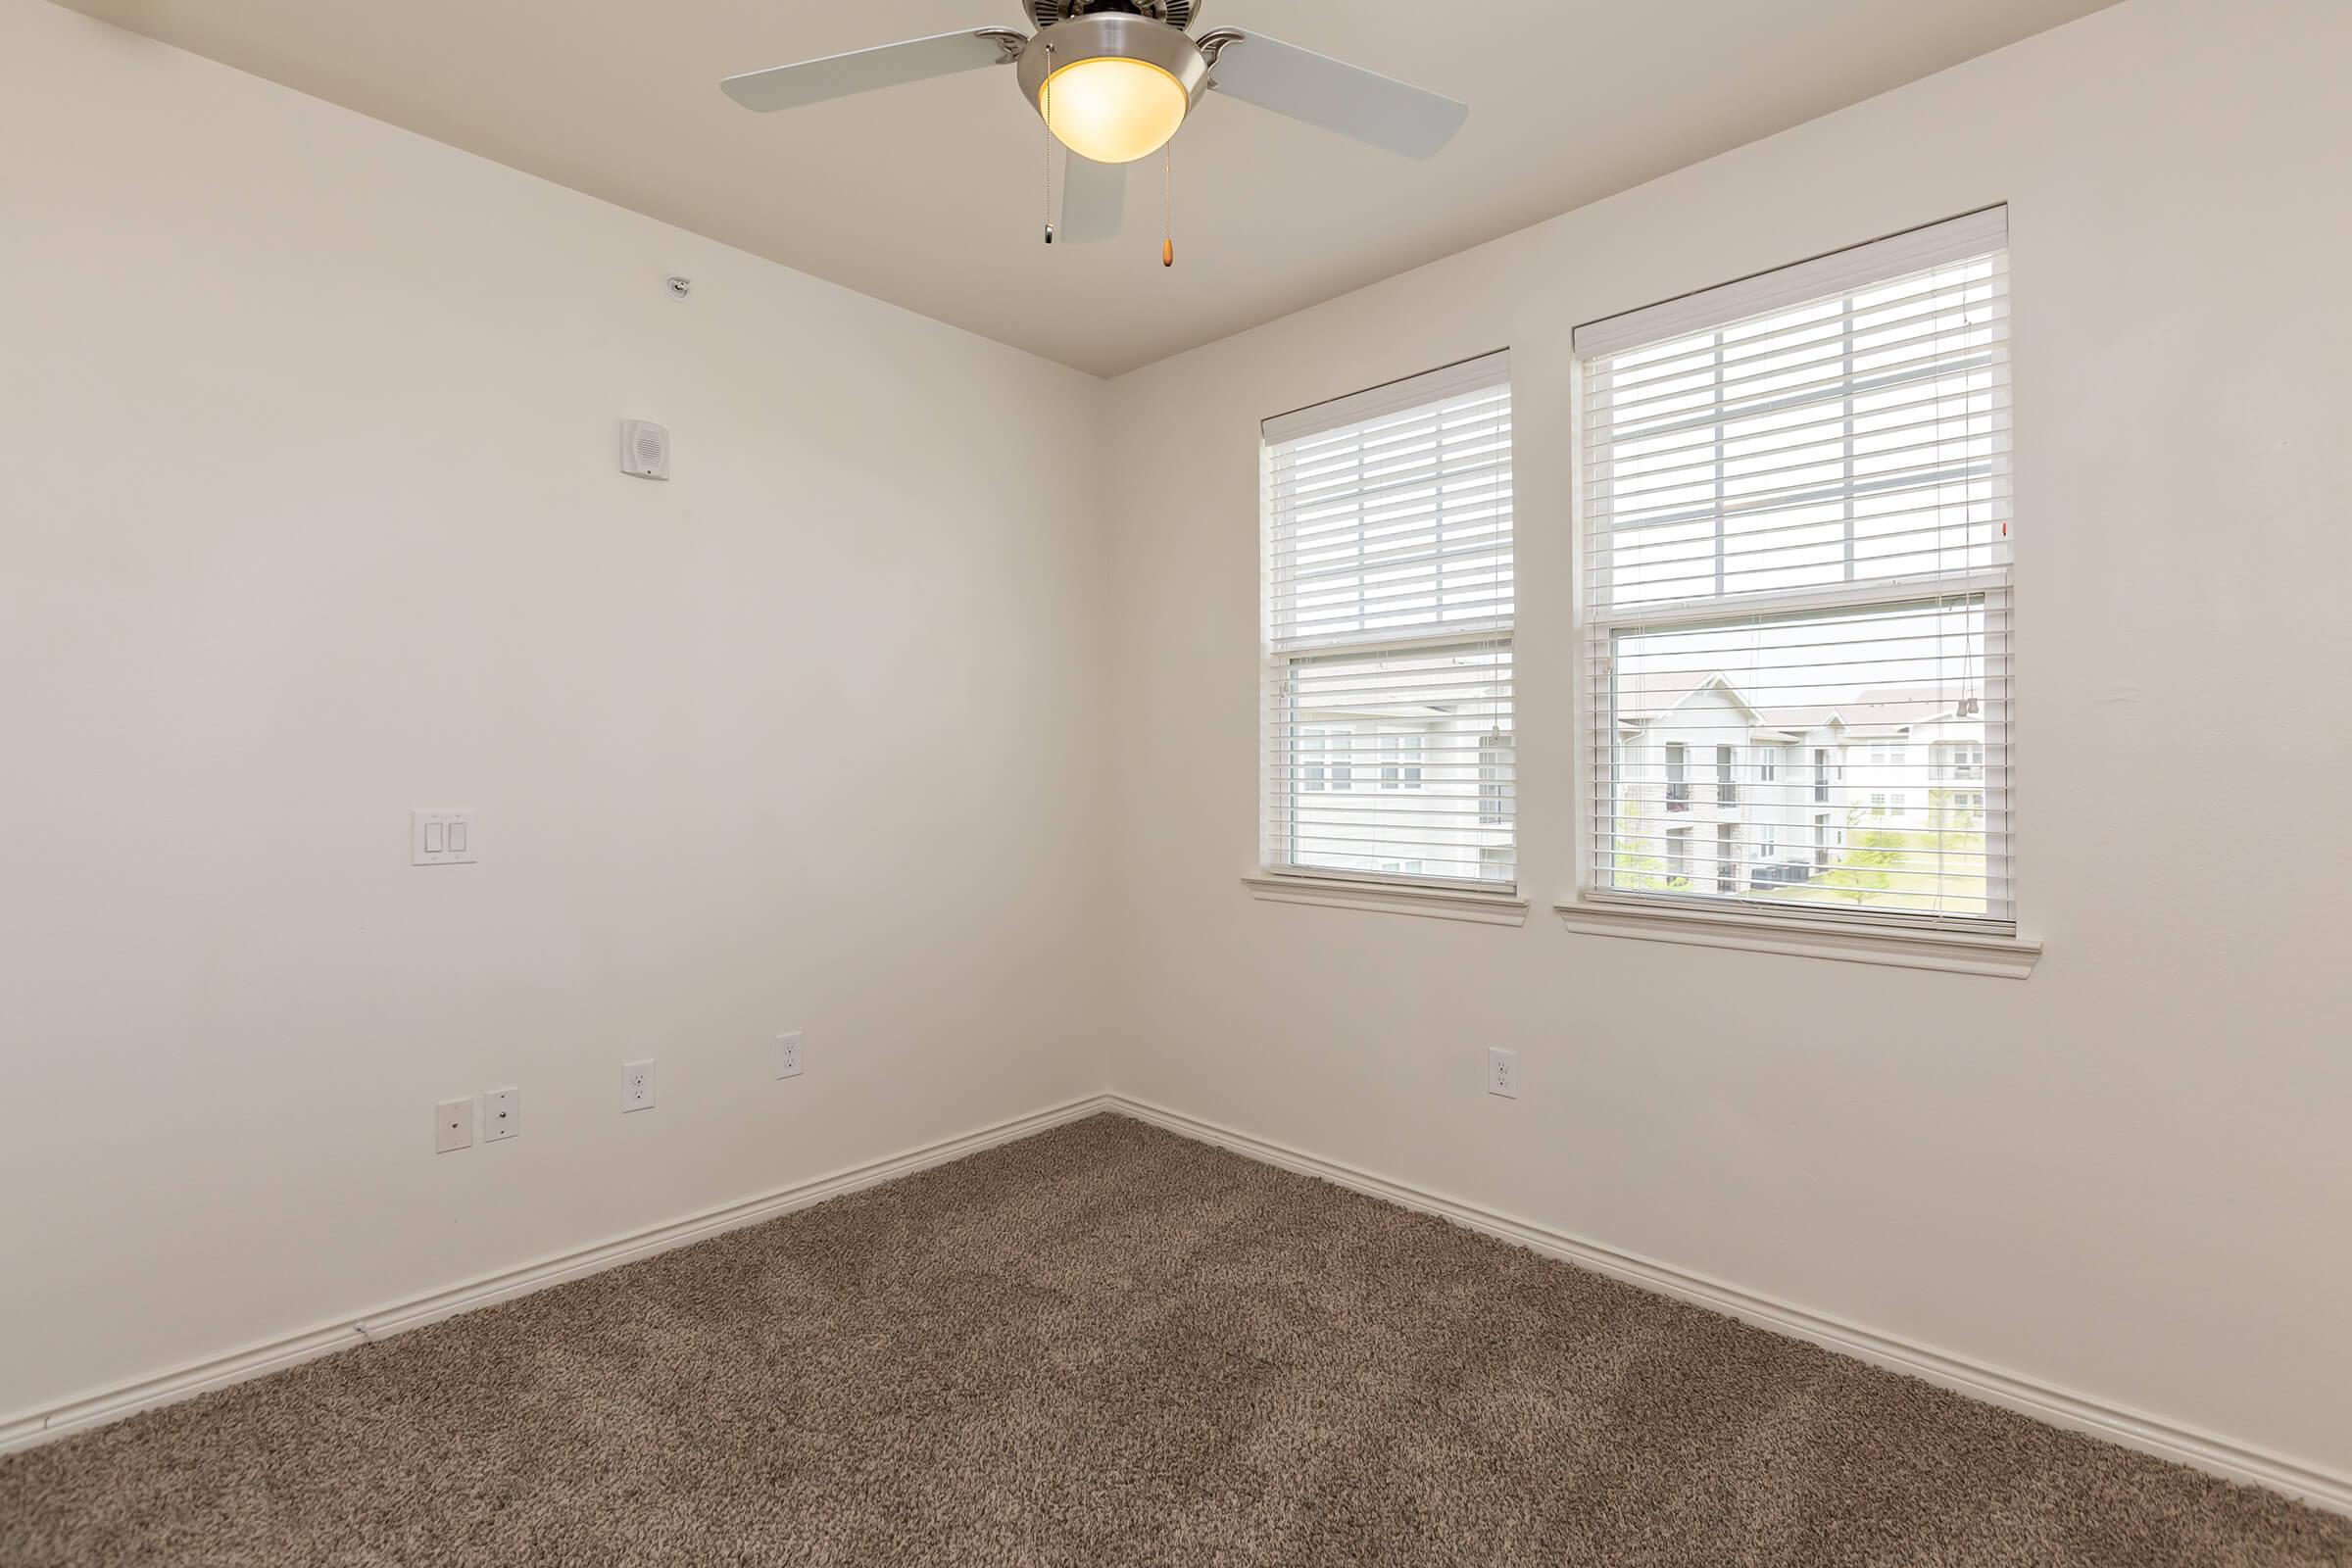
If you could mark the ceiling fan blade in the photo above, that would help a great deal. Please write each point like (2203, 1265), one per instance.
(1337, 96)
(1094, 200)
(813, 81)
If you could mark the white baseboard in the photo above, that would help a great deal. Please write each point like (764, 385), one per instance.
(2064, 1408)
(25, 1428)
(2045, 1402)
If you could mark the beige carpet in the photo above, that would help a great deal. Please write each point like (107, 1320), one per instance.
(1109, 1345)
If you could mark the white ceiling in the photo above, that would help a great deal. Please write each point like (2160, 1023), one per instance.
(931, 195)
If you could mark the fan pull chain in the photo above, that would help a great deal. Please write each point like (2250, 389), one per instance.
(1047, 106)
(1167, 206)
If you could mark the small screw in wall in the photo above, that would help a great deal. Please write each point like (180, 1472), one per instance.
(678, 286)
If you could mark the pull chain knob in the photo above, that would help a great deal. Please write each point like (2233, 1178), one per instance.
(1168, 205)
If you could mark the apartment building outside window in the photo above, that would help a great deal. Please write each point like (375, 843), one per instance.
(1796, 535)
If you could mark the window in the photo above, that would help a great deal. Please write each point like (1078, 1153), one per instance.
(1957, 809)
(1388, 604)
(1768, 764)
(1400, 761)
(1796, 531)
(1495, 796)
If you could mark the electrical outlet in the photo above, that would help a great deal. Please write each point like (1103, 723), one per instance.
(1503, 1072)
(452, 1125)
(502, 1115)
(637, 1085)
(788, 1054)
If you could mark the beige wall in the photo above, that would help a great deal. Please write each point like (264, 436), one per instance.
(2127, 1175)
(310, 516)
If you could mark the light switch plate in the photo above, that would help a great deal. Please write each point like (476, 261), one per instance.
(443, 837)
(502, 1115)
(452, 1125)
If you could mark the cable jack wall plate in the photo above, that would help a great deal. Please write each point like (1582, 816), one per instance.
(502, 1115)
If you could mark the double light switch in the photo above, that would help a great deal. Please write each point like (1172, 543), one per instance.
(442, 838)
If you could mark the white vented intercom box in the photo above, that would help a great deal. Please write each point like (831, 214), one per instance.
(644, 449)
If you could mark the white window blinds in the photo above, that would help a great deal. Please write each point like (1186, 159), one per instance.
(1388, 738)
(1797, 575)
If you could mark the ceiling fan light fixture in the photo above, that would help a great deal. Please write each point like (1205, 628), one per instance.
(1114, 110)
(1113, 87)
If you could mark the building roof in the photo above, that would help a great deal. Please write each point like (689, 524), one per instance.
(1645, 697)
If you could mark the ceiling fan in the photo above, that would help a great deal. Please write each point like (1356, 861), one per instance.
(1114, 79)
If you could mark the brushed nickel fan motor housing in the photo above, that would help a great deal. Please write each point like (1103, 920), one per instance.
(1177, 14)
(1118, 34)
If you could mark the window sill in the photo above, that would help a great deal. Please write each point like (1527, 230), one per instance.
(1951, 951)
(1390, 898)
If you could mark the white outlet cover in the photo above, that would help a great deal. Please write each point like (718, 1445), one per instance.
(443, 837)
(452, 1125)
(502, 1115)
(788, 1054)
(637, 1085)
(1503, 1072)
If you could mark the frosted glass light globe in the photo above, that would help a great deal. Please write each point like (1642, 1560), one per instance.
(1113, 110)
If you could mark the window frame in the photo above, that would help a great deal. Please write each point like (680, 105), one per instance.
(1398, 762)
(1811, 776)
